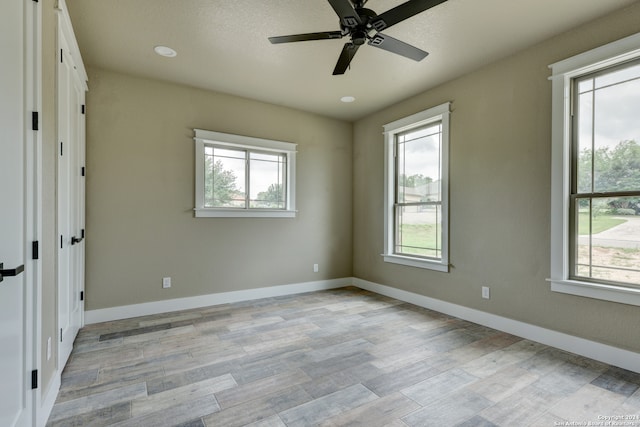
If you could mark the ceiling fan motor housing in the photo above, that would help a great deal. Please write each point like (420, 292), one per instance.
(359, 31)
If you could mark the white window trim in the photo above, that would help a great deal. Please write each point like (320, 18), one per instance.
(438, 113)
(203, 137)
(563, 72)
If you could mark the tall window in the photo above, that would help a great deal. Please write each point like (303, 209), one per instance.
(242, 176)
(596, 157)
(416, 194)
(605, 190)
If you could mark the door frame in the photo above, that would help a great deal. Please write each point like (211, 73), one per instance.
(32, 103)
(33, 204)
(66, 40)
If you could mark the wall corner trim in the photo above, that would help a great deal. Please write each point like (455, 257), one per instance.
(165, 306)
(604, 353)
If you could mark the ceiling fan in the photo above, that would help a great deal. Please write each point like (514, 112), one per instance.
(364, 25)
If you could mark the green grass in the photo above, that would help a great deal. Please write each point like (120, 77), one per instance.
(424, 235)
(600, 223)
(420, 236)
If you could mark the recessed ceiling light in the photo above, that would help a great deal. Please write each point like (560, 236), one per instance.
(347, 99)
(165, 51)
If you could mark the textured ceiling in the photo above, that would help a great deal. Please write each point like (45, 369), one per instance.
(222, 45)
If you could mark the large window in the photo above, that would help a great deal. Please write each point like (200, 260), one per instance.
(596, 157)
(416, 194)
(243, 176)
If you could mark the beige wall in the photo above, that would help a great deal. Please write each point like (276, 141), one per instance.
(499, 193)
(140, 195)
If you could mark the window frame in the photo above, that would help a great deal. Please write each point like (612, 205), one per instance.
(439, 113)
(563, 74)
(205, 138)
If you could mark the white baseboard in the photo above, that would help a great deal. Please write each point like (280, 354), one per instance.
(605, 353)
(48, 399)
(157, 307)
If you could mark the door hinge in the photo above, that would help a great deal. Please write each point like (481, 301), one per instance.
(61, 56)
(82, 109)
(35, 250)
(82, 171)
(60, 334)
(81, 295)
(61, 148)
(34, 379)
(61, 241)
(34, 120)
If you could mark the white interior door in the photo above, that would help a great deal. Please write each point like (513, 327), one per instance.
(70, 199)
(14, 334)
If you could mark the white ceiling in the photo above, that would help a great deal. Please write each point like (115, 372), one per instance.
(222, 45)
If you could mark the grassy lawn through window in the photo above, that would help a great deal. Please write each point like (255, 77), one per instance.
(600, 223)
(420, 239)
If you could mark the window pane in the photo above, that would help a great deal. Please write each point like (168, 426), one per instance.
(585, 143)
(585, 85)
(621, 75)
(224, 178)
(419, 230)
(233, 154)
(419, 165)
(583, 240)
(616, 153)
(418, 180)
(606, 228)
(267, 174)
(608, 240)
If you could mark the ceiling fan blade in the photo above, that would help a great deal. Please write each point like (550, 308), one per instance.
(402, 12)
(348, 52)
(344, 9)
(306, 37)
(398, 47)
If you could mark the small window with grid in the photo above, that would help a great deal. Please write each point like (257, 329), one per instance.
(243, 176)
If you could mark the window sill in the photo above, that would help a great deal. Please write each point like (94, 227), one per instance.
(417, 262)
(612, 293)
(243, 213)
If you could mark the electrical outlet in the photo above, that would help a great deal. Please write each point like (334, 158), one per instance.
(166, 282)
(315, 268)
(48, 348)
(485, 292)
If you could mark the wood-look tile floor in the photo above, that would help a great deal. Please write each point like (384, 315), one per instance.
(332, 358)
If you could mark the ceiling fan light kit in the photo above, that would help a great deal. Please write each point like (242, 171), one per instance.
(364, 26)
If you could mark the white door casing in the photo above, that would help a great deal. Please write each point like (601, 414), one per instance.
(70, 199)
